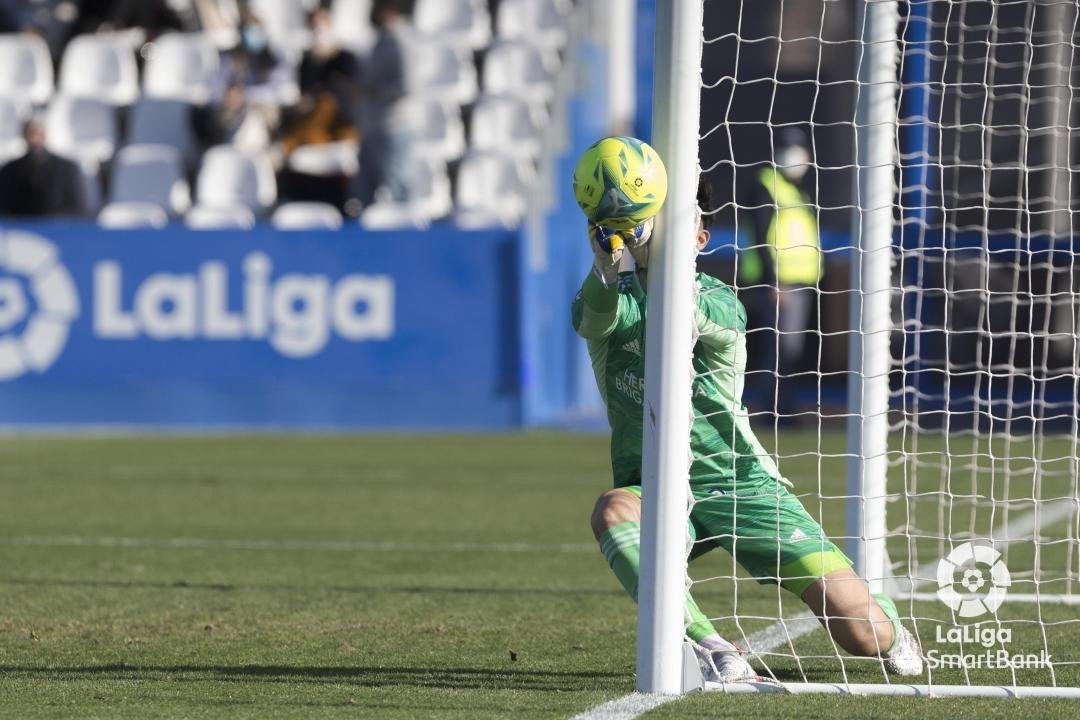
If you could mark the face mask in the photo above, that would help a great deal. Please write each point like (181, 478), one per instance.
(254, 38)
(325, 38)
(793, 162)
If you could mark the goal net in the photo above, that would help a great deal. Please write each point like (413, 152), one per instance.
(896, 195)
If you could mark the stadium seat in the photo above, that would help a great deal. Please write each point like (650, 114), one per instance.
(150, 174)
(230, 178)
(81, 127)
(132, 215)
(430, 187)
(286, 24)
(12, 143)
(99, 67)
(352, 25)
(219, 218)
(393, 216)
(542, 22)
(431, 198)
(26, 69)
(91, 182)
(440, 131)
(181, 66)
(446, 73)
(505, 124)
(518, 68)
(326, 159)
(463, 24)
(155, 121)
(306, 216)
(491, 190)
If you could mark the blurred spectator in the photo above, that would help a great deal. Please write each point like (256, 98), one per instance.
(230, 121)
(327, 66)
(152, 16)
(782, 270)
(40, 184)
(386, 123)
(320, 122)
(10, 20)
(265, 77)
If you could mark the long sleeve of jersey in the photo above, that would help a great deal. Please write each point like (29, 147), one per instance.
(719, 317)
(600, 311)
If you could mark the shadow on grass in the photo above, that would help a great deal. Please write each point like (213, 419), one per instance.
(446, 678)
(232, 587)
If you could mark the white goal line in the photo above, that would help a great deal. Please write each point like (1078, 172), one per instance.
(985, 691)
(1048, 598)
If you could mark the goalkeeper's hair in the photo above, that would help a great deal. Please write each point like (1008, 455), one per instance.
(705, 202)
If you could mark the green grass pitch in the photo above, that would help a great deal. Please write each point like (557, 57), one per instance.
(388, 576)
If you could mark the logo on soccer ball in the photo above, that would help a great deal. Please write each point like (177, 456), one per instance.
(973, 567)
(38, 303)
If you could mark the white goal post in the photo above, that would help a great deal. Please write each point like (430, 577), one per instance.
(960, 397)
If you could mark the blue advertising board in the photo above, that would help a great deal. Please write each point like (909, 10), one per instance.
(258, 329)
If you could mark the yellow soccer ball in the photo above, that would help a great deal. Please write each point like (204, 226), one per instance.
(620, 182)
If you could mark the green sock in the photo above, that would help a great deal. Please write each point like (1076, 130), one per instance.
(621, 546)
(889, 608)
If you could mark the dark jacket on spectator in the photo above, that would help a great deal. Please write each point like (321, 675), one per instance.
(41, 184)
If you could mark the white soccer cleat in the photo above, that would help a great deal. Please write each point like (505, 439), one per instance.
(905, 658)
(721, 666)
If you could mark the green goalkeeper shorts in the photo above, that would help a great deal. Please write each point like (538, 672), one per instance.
(766, 530)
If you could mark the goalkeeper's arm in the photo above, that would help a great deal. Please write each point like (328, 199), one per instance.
(719, 317)
(599, 309)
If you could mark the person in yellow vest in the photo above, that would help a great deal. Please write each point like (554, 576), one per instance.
(780, 273)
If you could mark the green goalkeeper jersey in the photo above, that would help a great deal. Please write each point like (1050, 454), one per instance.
(724, 448)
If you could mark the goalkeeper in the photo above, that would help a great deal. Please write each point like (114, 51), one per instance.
(742, 502)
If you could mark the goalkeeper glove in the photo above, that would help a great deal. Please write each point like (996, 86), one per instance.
(637, 241)
(608, 246)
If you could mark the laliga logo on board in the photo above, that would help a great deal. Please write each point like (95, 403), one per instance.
(980, 571)
(295, 313)
(38, 303)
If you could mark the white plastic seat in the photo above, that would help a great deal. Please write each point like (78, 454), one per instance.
(352, 25)
(181, 66)
(132, 215)
(81, 127)
(307, 216)
(99, 67)
(26, 69)
(219, 218)
(440, 131)
(91, 183)
(520, 69)
(430, 198)
(12, 142)
(286, 24)
(461, 23)
(446, 73)
(386, 215)
(491, 190)
(542, 22)
(505, 124)
(230, 178)
(326, 159)
(150, 174)
(156, 121)
(430, 190)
